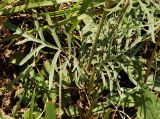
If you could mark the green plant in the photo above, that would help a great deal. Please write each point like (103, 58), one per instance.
(81, 59)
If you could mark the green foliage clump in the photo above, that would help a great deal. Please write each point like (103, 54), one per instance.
(80, 58)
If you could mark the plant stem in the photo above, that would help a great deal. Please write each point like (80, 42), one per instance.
(96, 37)
(107, 5)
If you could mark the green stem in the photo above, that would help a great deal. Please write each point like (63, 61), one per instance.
(96, 37)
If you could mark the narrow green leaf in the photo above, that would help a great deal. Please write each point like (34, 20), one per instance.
(74, 26)
(52, 69)
(28, 37)
(32, 104)
(31, 54)
(69, 41)
(40, 31)
(53, 31)
(150, 18)
(22, 75)
(20, 32)
(50, 111)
